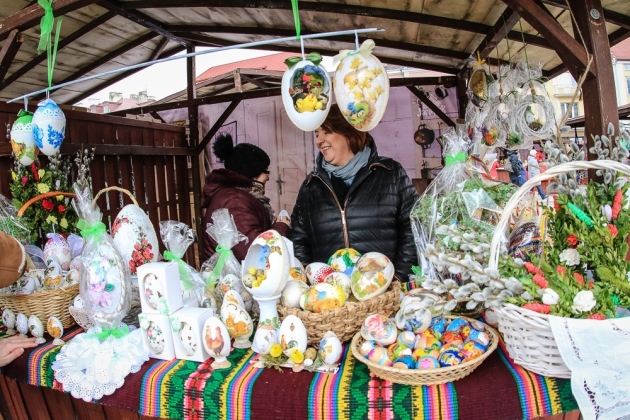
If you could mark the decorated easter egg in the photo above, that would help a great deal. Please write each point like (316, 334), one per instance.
(266, 265)
(156, 337)
(361, 86)
(36, 327)
(306, 92)
(344, 260)
(450, 358)
(428, 342)
(49, 127)
(292, 334)
(78, 302)
(457, 324)
(230, 282)
(58, 247)
(478, 325)
(238, 323)
(323, 296)
(292, 293)
(75, 264)
(154, 294)
(134, 237)
(380, 329)
(405, 362)
(366, 347)
(54, 327)
(472, 350)
(27, 285)
(420, 353)
(394, 351)
(234, 297)
(330, 348)
(341, 280)
(438, 325)
(317, 272)
(427, 362)
(21, 324)
(373, 275)
(407, 338)
(451, 337)
(22, 139)
(72, 277)
(188, 339)
(481, 337)
(264, 338)
(216, 339)
(379, 356)
(297, 274)
(8, 318)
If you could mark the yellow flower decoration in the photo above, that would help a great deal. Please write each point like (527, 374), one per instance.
(63, 223)
(275, 350)
(42, 188)
(14, 176)
(297, 356)
(52, 220)
(41, 173)
(59, 197)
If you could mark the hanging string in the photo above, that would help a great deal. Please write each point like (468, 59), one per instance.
(507, 40)
(46, 41)
(296, 19)
(25, 104)
(356, 39)
(302, 47)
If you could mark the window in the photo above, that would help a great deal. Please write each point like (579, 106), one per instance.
(626, 66)
(628, 84)
(575, 111)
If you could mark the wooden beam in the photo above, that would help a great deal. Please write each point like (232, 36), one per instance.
(618, 36)
(158, 49)
(570, 51)
(504, 24)
(64, 42)
(423, 81)
(116, 149)
(254, 81)
(9, 49)
(424, 98)
(142, 19)
(217, 125)
(610, 16)
(238, 85)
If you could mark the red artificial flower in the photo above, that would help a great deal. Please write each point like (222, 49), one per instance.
(561, 270)
(617, 201)
(24, 180)
(137, 247)
(61, 208)
(572, 240)
(538, 307)
(591, 284)
(136, 256)
(532, 269)
(556, 206)
(48, 205)
(147, 254)
(132, 267)
(578, 279)
(541, 281)
(35, 174)
(599, 317)
(613, 230)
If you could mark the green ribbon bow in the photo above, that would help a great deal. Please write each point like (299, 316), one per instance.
(224, 254)
(45, 38)
(183, 271)
(114, 332)
(417, 271)
(92, 232)
(453, 159)
(313, 57)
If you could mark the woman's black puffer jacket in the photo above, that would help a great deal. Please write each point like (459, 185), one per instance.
(376, 214)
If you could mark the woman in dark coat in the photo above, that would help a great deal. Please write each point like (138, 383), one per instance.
(353, 198)
(240, 188)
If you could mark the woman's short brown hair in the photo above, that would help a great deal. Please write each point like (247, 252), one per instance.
(336, 123)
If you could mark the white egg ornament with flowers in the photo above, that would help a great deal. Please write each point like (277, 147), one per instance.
(134, 237)
(306, 90)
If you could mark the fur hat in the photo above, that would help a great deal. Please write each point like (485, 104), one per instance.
(533, 152)
(244, 158)
(12, 260)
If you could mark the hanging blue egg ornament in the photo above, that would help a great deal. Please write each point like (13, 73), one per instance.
(49, 127)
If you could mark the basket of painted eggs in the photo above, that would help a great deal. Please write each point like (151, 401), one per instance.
(337, 296)
(449, 349)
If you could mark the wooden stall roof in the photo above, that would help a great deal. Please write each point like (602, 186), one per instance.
(431, 34)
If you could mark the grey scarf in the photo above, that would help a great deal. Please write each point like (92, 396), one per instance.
(350, 169)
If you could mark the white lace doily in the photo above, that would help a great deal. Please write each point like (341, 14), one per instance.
(89, 369)
(598, 354)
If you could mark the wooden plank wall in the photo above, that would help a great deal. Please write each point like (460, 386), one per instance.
(158, 181)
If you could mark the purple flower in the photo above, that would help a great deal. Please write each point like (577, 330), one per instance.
(99, 296)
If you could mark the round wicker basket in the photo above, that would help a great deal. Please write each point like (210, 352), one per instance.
(429, 376)
(527, 334)
(347, 320)
(43, 304)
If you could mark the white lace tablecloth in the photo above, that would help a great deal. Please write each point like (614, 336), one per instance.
(598, 354)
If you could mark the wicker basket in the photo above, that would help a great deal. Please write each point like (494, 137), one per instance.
(429, 376)
(43, 304)
(527, 334)
(347, 320)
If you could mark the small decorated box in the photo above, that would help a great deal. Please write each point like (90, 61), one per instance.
(187, 330)
(157, 335)
(160, 288)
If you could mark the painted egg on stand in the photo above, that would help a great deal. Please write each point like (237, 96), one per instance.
(373, 276)
(361, 87)
(23, 140)
(55, 330)
(21, 324)
(134, 237)
(36, 327)
(57, 246)
(306, 91)
(238, 323)
(292, 335)
(330, 348)
(49, 126)
(8, 319)
(216, 341)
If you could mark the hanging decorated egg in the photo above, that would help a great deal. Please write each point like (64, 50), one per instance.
(49, 127)
(306, 89)
(266, 265)
(22, 138)
(361, 86)
(57, 246)
(373, 275)
(134, 237)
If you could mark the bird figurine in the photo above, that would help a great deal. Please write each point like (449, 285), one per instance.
(216, 340)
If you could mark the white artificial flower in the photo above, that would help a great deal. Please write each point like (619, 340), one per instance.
(550, 297)
(584, 301)
(570, 257)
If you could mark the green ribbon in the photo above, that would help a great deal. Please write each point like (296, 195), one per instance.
(184, 277)
(296, 18)
(224, 254)
(92, 232)
(453, 159)
(45, 39)
(119, 332)
(417, 271)
(314, 57)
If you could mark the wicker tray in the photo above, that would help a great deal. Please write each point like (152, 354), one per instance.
(428, 376)
(347, 320)
(43, 304)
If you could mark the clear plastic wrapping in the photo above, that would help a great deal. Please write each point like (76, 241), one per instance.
(10, 223)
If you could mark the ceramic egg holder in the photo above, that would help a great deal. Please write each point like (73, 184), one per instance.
(187, 329)
(157, 335)
(160, 288)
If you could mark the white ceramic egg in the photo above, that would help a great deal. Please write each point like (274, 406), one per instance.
(323, 296)
(134, 237)
(26, 285)
(342, 280)
(361, 87)
(264, 338)
(153, 291)
(216, 341)
(78, 302)
(55, 330)
(232, 296)
(230, 282)
(306, 94)
(75, 264)
(292, 334)
(21, 324)
(297, 274)
(8, 319)
(58, 247)
(238, 323)
(292, 293)
(344, 260)
(268, 253)
(380, 329)
(72, 277)
(36, 327)
(316, 272)
(188, 339)
(373, 276)
(330, 348)
(23, 140)
(49, 126)
(156, 337)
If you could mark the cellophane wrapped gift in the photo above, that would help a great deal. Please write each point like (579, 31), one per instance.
(222, 271)
(10, 223)
(105, 283)
(177, 237)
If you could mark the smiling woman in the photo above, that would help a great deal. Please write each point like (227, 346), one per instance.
(354, 198)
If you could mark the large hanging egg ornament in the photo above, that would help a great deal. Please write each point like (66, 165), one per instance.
(361, 86)
(49, 127)
(135, 237)
(306, 92)
(22, 138)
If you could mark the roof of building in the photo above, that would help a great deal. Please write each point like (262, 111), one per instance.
(267, 62)
(621, 51)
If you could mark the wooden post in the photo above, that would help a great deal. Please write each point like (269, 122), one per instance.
(193, 123)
